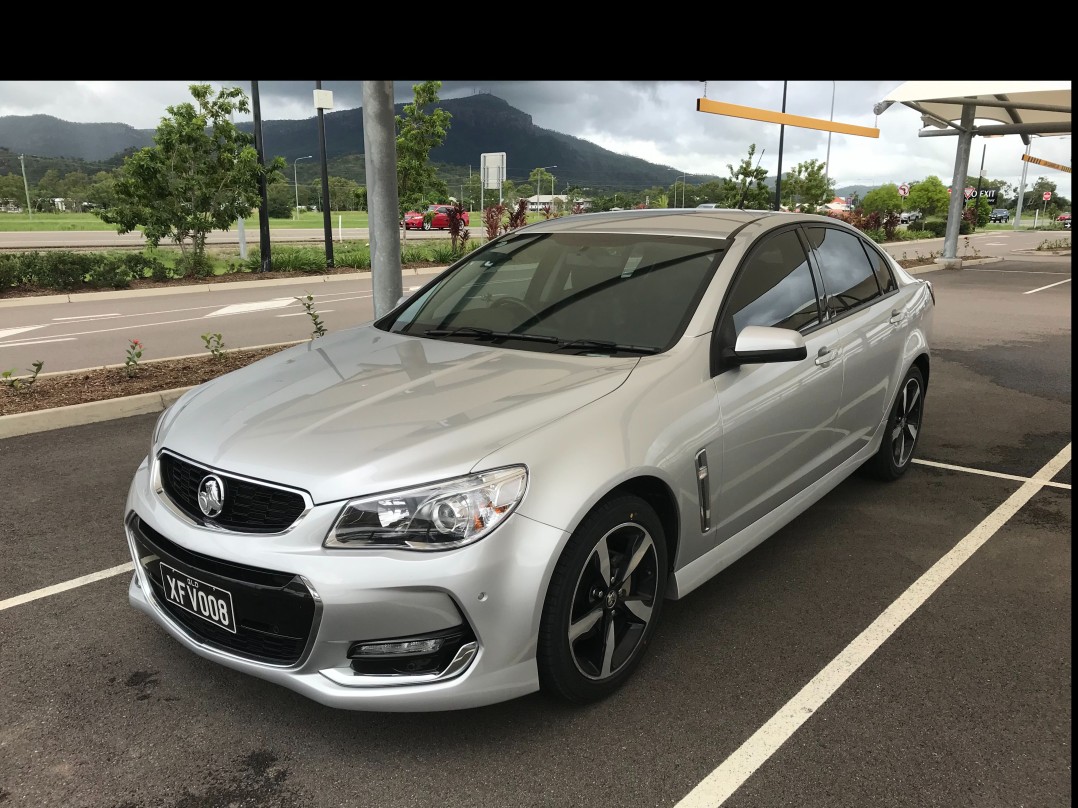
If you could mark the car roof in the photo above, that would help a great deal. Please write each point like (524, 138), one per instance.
(699, 222)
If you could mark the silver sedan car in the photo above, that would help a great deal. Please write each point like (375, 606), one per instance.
(492, 489)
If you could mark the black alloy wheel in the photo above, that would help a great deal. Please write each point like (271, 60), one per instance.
(604, 601)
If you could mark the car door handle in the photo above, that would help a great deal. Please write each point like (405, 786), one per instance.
(826, 356)
(897, 316)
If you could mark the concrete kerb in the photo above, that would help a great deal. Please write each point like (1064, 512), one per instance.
(26, 423)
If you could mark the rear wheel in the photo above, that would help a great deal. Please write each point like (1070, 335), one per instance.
(902, 430)
(603, 602)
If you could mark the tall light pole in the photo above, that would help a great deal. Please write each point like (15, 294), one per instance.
(538, 179)
(26, 188)
(295, 180)
(980, 176)
(782, 134)
(827, 164)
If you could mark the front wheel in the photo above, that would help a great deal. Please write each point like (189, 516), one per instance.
(902, 430)
(426, 225)
(603, 602)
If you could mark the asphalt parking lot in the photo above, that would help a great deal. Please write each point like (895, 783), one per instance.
(962, 698)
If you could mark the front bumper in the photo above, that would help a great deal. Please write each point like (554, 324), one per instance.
(494, 588)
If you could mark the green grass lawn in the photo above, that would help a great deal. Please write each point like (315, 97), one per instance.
(49, 222)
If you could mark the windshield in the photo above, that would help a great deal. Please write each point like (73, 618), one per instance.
(569, 292)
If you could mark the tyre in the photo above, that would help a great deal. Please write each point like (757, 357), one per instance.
(426, 225)
(603, 602)
(902, 430)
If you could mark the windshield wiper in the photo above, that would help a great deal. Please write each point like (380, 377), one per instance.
(606, 346)
(486, 333)
(464, 330)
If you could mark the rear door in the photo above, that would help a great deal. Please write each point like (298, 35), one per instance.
(861, 299)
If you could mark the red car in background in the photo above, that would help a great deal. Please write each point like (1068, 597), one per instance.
(413, 220)
(1064, 219)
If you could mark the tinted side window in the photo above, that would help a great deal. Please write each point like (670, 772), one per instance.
(847, 275)
(882, 270)
(774, 288)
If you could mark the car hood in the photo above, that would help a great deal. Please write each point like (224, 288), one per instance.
(364, 410)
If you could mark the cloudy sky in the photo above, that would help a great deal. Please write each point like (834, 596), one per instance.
(654, 120)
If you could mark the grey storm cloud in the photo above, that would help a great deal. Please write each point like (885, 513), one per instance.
(654, 120)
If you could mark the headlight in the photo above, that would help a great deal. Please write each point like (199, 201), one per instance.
(433, 517)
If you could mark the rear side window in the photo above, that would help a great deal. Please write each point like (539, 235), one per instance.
(883, 272)
(848, 278)
(774, 288)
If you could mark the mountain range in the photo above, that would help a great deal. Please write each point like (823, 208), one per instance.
(480, 123)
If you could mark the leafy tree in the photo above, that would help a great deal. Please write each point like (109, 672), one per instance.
(542, 179)
(200, 176)
(808, 186)
(928, 196)
(746, 188)
(510, 192)
(359, 197)
(706, 192)
(418, 132)
(984, 210)
(341, 193)
(281, 200)
(50, 184)
(883, 200)
(11, 188)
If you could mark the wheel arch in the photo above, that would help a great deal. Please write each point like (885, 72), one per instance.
(660, 497)
(922, 363)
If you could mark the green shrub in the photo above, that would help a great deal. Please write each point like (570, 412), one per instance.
(414, 254)
(61, 269)
(877, 234)
(937, 227)
(110, 271)
(12, 272)
(194, 265)
(353, 255)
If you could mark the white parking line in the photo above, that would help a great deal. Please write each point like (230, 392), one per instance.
(1015, 271)
(1049, 286)
(718, 786)
(85, 317)
(24, 343)
(303, 313)
(998, 474)
(55, 589)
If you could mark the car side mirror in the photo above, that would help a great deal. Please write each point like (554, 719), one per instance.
(758, 344)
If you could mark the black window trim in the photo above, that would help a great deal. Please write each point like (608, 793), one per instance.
(717, 364)
(870, 247)
(834, 317)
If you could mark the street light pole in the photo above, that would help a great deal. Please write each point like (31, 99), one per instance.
(827, 164)
(782, 134)
(538, 181)
(980, 176)
(26, 188)
(295, 180)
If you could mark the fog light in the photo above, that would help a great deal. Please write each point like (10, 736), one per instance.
(420, 654)
(394, 649)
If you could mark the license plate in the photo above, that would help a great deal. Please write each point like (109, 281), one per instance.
(204, 600)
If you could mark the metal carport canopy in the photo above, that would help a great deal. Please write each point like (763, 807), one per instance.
(952, 108)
